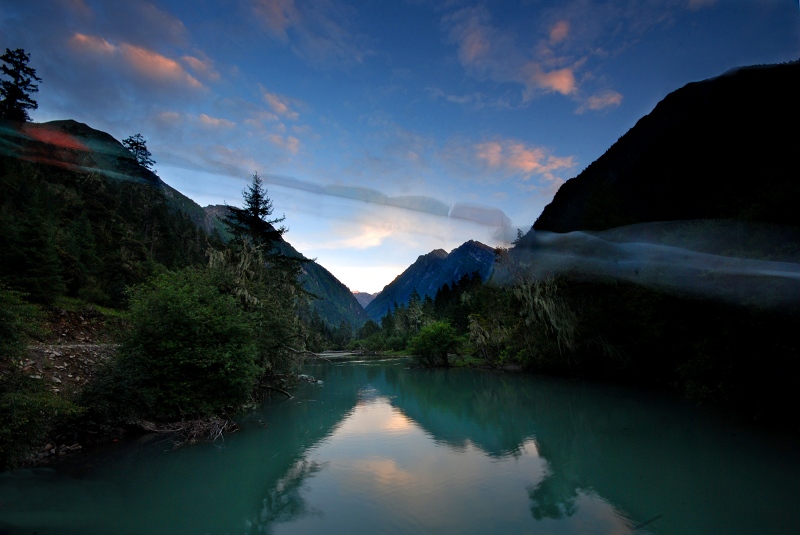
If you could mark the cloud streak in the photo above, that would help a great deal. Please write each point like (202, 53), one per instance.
(605, 99)
(145, 63)
(316, 31)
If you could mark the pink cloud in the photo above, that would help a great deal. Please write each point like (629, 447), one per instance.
(290, 144)
(487, 51)
(559, 81)
(277, 16)
(90, 43)
(214, 122)
(156, 66)
(514, 157)
(474, 43)
(202, 67)
(559, 32)
(480, 45)
(146, 62)
(281, 105)
(600, 101)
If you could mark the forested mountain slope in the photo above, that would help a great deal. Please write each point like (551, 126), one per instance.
(79, 216)
(335, 304)
(430, 272)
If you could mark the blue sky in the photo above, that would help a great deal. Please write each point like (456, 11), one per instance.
(383, 129)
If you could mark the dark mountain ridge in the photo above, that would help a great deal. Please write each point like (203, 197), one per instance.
(430, 272)
(723, 148)
(63, 153)
(77, 147)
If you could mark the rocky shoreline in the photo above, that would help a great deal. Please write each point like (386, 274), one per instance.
(75, 345)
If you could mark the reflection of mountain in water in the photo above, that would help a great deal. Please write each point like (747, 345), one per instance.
(646, 454)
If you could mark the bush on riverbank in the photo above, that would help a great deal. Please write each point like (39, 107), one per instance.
(433, 343)
(191, 351)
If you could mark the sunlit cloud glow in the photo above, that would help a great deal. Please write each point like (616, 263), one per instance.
(281, 105)
(145, 62)
(605, 99)
(156, 66)
(93, 44)
(514, 157)
(204, 68)
(559, 32)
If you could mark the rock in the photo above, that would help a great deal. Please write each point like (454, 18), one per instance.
(56, 380)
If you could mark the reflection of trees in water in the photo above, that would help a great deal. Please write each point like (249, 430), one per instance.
(553, 497)
(283, 502)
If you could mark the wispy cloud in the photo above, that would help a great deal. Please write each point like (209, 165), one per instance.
(201, 67)
(91, 43)
(77, 7)
(214, 122)
(562, 49)
(317, 31)
(157, 66)
(559, 32)
(281, 105)
(695, 5)
(146, 63)
(289, 143)
(514, 157)
(486, 51)
(555, 81)
(602, 100)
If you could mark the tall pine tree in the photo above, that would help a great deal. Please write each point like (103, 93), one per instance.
(252, 222)
(15, 94)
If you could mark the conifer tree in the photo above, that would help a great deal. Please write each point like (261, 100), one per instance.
(138, 147)
(15, 98)
(252, 221)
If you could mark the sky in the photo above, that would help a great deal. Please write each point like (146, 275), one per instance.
(383, 129)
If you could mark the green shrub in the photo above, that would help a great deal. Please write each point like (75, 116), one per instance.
(191, 350)
(18, 321)
(28, 411)
(433, 343)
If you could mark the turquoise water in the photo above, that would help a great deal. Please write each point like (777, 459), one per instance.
(378, 448)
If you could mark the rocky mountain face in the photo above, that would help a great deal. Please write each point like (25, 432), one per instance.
(724, 148)
(364, 298)
(335, 304)
(430, 272)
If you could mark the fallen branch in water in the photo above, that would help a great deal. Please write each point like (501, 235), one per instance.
(276, 389)
(306, 353)
(192, 431)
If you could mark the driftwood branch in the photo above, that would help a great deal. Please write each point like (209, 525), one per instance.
(305, 353)
(191, 431)
(276, 389)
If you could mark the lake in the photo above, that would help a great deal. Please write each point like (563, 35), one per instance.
(380, 448)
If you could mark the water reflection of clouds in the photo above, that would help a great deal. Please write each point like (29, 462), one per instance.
(407, 480)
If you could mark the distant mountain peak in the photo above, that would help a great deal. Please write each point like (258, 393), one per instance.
(431, 271)
(364, 298)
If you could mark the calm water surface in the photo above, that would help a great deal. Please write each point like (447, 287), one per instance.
(378, 448)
